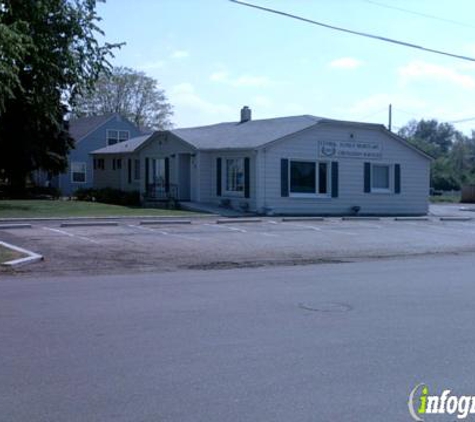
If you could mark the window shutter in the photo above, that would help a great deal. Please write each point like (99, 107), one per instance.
(247, 181)
(284, 177)
(334, 170)
(129, 170)
(218, 176)
(167, 174)
(397, 178)
(146, 173)
(367, 177)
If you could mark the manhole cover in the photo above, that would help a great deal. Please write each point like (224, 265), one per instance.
(326, 307)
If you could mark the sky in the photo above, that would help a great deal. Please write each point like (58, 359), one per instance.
(213, 56)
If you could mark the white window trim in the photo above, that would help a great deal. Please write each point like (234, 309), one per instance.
(85, 171)
(310, 195)
(118, 135)
(224, 176)
(383, 191)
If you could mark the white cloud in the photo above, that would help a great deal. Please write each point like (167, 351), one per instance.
(184, 95)
(261, 101)
(159, 64)
(345, 63)
(240, 81)
(379, 103)
(418, 70)
(180, 54)
(219, 76)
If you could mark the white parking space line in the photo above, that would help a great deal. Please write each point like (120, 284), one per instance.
(148, 229)
(269, 234)
(86, 239)
(272, 222)
(216, 226)
(305, 226)
(443, 229)
(325, 230)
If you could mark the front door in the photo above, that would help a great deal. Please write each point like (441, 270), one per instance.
(157, 177)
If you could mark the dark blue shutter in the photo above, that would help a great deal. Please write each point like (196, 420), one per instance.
(367, 177)
(167, 174)
(247, 180)
(218, 176)
(397, 178)
(284, 177)
(334, 179)
(146, 174)
(129, 170)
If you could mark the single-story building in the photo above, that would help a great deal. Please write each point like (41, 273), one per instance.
(287, 165)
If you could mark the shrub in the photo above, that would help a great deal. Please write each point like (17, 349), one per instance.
(109, 196)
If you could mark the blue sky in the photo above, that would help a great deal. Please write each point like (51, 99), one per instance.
(213, 56)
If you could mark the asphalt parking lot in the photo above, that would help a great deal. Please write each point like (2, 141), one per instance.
(130, 246)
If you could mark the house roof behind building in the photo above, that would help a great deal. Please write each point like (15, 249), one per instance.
(123, 147)
(79, 128)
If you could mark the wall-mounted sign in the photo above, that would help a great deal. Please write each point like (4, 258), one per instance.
(349, 149)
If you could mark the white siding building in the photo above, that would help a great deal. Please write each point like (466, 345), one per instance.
(302, 165)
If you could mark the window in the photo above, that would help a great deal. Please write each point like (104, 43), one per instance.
(117, 164)
(235, 175)
(115, 136)
(78, 172)
(100, 164)
(309, 178)
(380, 178)
(137, 169)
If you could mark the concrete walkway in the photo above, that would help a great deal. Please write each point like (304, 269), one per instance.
(213, 209)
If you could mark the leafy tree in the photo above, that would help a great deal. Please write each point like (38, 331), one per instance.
(48, 57)
(454, 153)
(130, 93)
(430, 135)
(13, 47)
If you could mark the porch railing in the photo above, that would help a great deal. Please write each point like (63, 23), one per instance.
(161, 192)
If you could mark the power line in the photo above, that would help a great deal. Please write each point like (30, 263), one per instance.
(469, 119)
(425, 15)
(373, 114)
(349, 31)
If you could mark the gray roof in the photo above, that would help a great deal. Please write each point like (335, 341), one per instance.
(126, 146)
(79, 128)
(249, 134)
(237, 135)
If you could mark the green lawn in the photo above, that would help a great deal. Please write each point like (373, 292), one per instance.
(8, 255)
(46, 208)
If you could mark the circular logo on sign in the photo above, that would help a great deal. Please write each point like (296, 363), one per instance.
(328, 150)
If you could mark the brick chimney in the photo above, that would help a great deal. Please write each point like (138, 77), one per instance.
(245, 114)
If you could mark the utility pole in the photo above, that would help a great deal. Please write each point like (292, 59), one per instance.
(390, 116)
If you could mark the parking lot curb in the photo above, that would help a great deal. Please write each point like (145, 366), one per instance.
(411, 219)
(238, 220)
(456, 218)
(90, 224)
(355, 218)
(289, 219)
(119, 217)
(14, 226)
(31, 257)
(152, 222)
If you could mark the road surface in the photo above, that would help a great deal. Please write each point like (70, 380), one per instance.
(330, 342)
